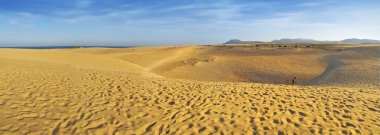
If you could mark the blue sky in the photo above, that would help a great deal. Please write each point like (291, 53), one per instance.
(175, 22)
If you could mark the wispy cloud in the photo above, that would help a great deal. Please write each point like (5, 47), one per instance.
(310, 4)
(83, 3)
(315, 3)
(151, 20)
(292, 20)
(108, 17)
(21, 19)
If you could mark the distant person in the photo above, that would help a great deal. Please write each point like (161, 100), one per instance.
(294, 80)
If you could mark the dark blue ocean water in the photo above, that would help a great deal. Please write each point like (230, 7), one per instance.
(64, 47)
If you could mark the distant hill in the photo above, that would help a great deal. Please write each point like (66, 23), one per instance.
(237, 41)
(356, 40)
(297, 40)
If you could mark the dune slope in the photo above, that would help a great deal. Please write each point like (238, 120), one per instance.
(330, 65)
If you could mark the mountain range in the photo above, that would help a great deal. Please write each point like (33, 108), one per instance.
(297, 40)
(303, 40)
(355, 40)
(237, 41)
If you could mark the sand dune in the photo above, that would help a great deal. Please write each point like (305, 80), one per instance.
(353, 67)
(189, 90)
(318, 65)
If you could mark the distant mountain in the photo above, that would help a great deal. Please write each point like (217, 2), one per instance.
(237, 41)
(305, 40)
(356, 40)
(297, 40)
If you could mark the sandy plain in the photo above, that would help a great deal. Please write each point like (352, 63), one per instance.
(237, 89)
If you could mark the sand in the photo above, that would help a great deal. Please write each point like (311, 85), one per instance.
(189, 90)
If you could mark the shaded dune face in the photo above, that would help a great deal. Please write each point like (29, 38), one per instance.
(315, 65)
(359, 66)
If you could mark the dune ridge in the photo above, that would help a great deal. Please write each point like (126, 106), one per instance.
(117, 91)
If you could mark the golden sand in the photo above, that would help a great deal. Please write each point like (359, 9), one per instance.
(190, 90)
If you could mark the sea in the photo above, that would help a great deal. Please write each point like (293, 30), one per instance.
(63, 47)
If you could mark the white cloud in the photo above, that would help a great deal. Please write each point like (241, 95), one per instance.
(224, 19)
(310, 4)
(83, 3)
(21, 19)
(289, 14)
(117, 16)
(315, 3)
